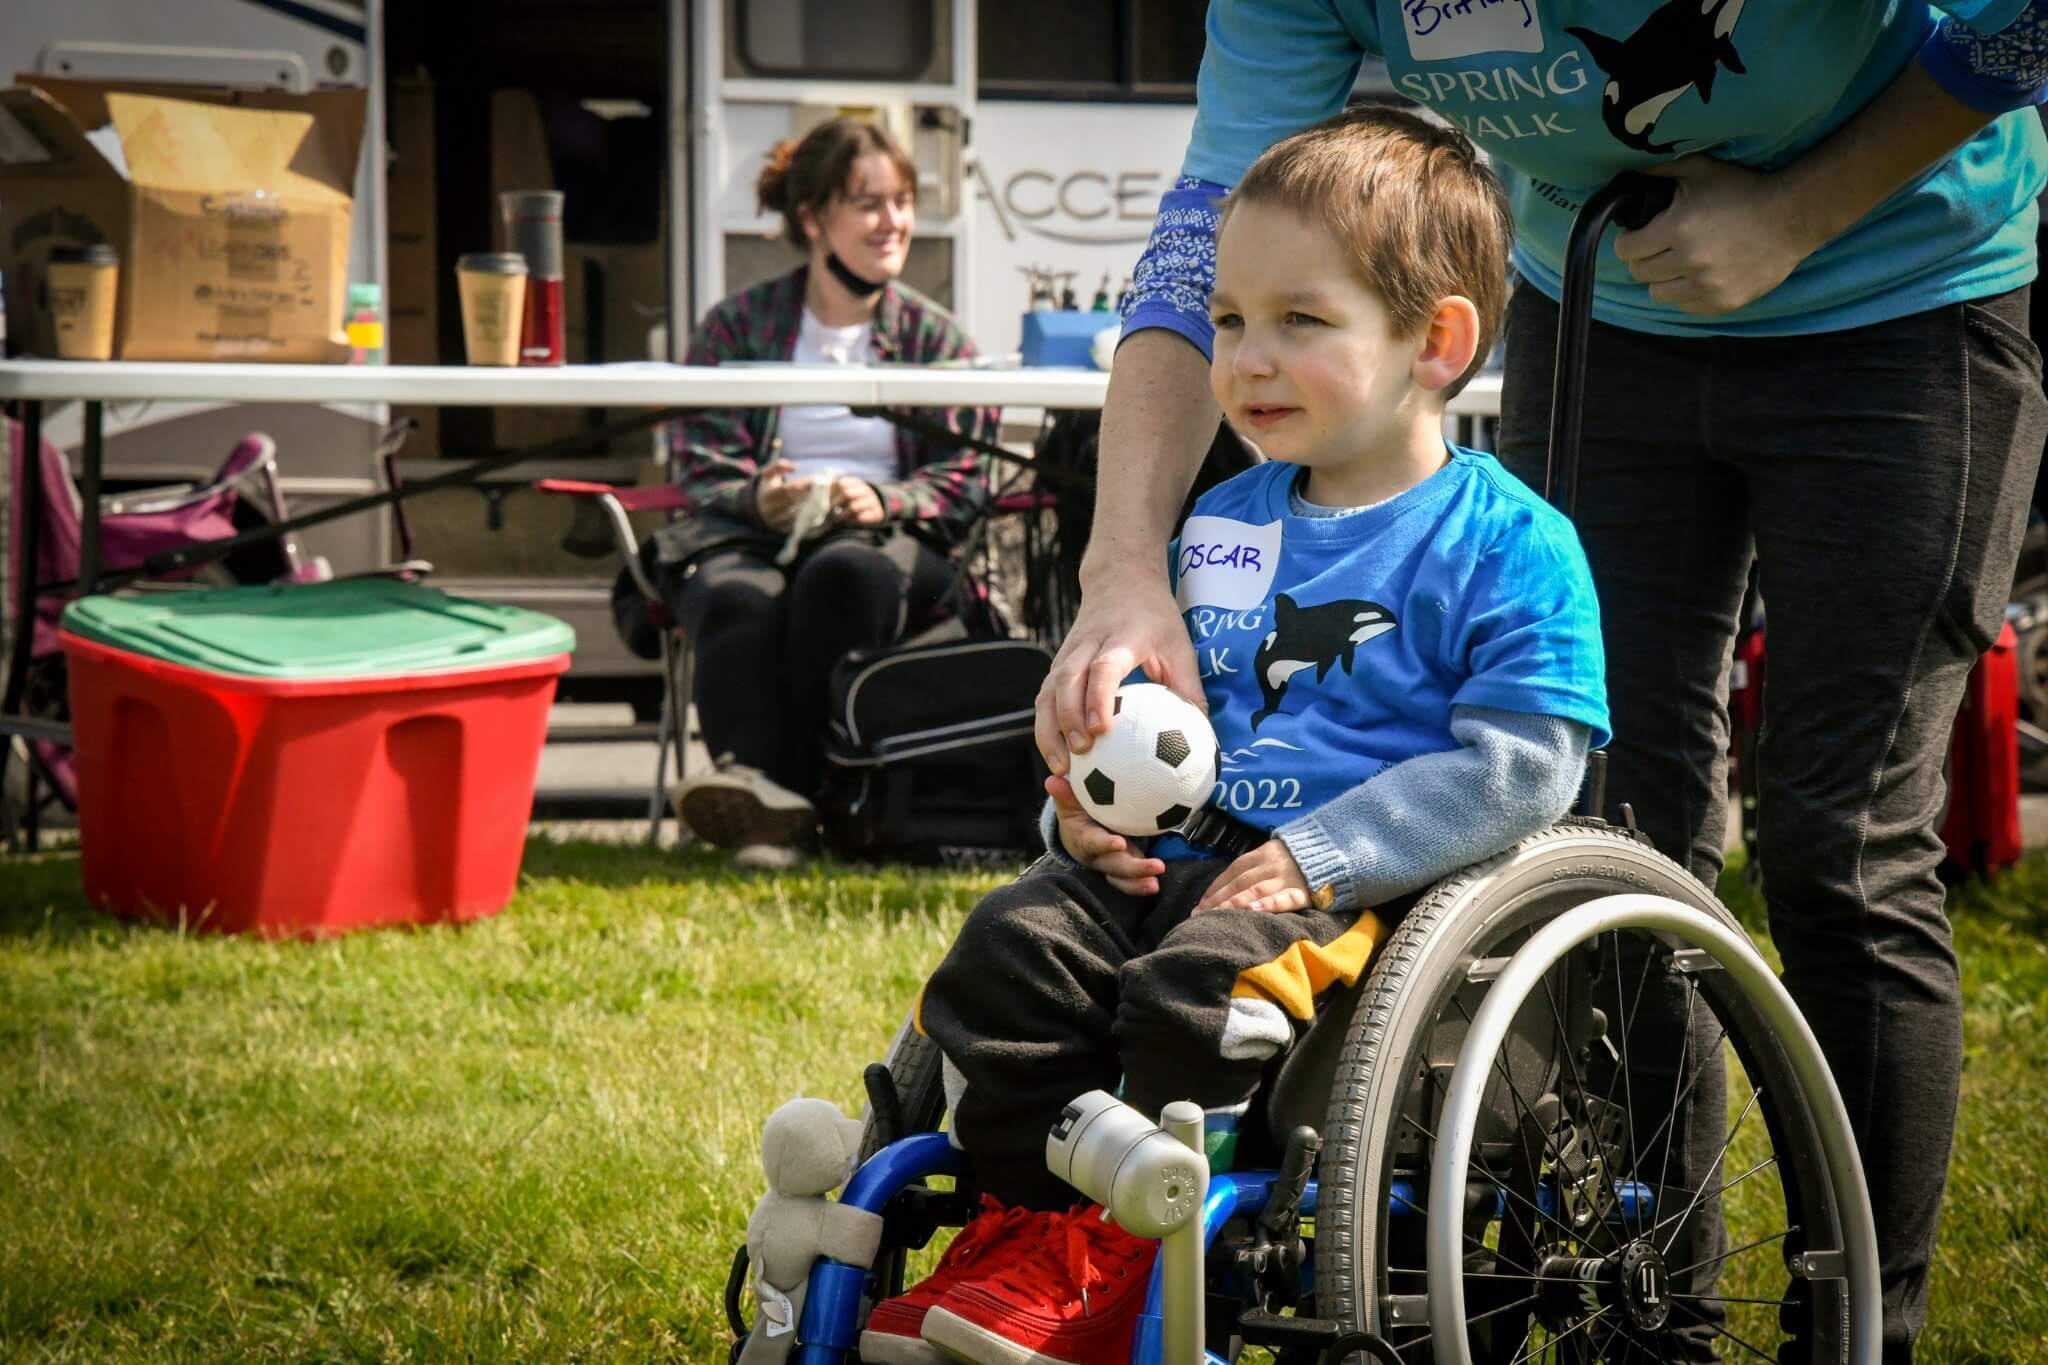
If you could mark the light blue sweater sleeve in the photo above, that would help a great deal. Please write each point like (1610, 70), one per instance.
(1514, 772)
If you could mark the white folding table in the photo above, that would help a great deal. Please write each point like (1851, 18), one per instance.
(651, 387)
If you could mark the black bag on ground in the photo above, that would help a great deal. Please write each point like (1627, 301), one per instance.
(931, 747)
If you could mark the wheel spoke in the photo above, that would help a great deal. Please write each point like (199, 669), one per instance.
(1470, 1240)
(1473, 1275)
(1527, 1109)
(1617, 1329)
(1678, 1092)
(1629, 1014)
(1514, 1089)
(1770, 1160)
(1746, 1246)
(1581, 1325)
(1500, 1185)
(1727, 1298)
(1572, 1060)
(1712, 1166)
(1504, 1308)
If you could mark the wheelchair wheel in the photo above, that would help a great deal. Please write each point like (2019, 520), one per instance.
(915, 1073)
(1577, 1234)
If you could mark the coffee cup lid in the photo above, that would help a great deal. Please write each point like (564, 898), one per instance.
(492, 263)
(94, 253)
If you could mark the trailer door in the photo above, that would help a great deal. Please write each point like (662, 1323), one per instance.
(765, 70)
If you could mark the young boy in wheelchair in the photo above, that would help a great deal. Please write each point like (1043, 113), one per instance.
(1401, 655)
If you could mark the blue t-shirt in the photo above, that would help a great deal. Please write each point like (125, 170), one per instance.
(1332, 648)
(1566, 94)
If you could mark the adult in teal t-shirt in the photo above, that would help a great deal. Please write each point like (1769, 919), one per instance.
(1818, 354)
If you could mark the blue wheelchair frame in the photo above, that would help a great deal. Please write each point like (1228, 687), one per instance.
(830, 1327)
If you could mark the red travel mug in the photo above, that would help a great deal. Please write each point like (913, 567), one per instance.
(533, 228)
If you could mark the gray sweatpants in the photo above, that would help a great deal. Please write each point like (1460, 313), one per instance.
(1882, 477)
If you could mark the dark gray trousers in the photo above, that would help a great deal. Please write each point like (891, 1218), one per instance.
(767, 636)
(1060, 984)
(1881, 476)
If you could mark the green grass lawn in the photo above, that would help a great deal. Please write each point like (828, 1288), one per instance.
(533, 1137)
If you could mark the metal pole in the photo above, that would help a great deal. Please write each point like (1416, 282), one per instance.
(28, 550)
(89, 495)
(1182, 1293)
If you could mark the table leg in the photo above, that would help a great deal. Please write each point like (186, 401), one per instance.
(89, 495)
(27, 551)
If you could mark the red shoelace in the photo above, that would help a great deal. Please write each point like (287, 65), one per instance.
(994, 1227)
(1086, 1254)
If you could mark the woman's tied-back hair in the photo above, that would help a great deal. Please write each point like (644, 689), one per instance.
(812, 173)
(1417, 213)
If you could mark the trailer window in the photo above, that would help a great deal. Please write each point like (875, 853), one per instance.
(1090, 49)
(833, 40)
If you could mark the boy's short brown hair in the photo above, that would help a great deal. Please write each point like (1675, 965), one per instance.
(1418, 214)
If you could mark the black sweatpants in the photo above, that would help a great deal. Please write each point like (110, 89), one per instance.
(1059, 984)
(1882, 476)
(766, 637)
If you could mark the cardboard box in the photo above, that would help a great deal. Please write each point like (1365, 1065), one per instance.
(230, 210)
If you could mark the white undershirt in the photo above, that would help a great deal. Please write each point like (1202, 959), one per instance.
(827, 439)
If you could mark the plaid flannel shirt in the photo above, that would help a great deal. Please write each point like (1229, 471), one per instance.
(721, 451)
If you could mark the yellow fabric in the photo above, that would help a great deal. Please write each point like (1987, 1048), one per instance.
(1294, 979)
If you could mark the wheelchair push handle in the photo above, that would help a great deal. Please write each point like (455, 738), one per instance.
(1632, 200)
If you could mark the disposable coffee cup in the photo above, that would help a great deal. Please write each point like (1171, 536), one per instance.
(493, 287)
(82, 287)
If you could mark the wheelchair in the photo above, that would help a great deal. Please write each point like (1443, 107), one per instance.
(1478, 1146)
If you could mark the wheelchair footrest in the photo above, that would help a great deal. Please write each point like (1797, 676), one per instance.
(1259, 1328)
(1331, 1340)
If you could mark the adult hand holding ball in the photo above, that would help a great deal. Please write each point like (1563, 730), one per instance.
(1154, 767)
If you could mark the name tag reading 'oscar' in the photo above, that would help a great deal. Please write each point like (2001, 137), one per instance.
(1225, 563)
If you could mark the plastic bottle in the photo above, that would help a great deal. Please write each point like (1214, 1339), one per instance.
(366, 324)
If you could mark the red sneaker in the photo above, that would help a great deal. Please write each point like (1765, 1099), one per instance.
(995, 1238)
(1075, 1302)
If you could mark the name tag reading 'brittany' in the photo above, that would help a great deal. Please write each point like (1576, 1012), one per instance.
(1225, 563)
(1445, 30)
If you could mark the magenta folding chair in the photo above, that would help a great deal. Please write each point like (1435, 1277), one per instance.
(133, 526)
(616, 502)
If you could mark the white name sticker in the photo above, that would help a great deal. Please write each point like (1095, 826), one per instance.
(1226, 563)
(1442, 30)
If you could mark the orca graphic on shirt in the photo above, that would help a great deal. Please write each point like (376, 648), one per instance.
(1680, 47)
(1312, 637)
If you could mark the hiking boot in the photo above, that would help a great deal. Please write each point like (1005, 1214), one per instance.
(996, 1237)
(734, 806)
(1074, 1301)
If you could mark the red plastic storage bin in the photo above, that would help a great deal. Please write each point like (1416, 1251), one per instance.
(300, 807)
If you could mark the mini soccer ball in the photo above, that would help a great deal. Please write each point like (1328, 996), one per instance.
(1153, 769)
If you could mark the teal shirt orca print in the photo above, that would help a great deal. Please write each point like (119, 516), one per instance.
(1563, 95)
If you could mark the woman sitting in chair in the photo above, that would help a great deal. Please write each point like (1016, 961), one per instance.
(812, 532)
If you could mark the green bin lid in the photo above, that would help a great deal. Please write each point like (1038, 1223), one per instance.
(359, 627)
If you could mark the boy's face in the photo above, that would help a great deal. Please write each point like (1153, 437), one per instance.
(1306, 362)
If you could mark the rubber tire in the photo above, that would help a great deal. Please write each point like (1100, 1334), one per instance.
(1458, 920)
(914, 1067)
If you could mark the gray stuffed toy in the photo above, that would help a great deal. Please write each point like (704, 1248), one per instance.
(807, 1149)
